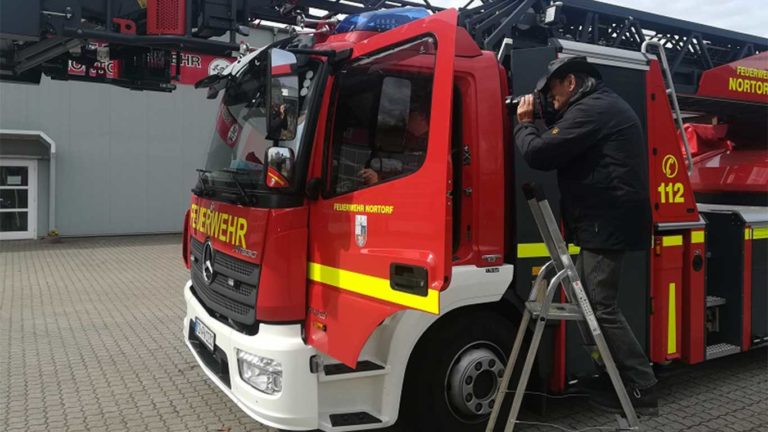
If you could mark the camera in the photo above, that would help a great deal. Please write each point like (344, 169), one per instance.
(542, 107)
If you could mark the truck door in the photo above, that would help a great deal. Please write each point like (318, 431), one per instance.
(380, 234)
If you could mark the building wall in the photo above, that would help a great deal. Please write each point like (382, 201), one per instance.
(125, 159)
(43, 196)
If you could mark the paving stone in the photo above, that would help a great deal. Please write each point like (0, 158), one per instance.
(88, 343)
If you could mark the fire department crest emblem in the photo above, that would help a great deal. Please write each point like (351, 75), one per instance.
(361, 230)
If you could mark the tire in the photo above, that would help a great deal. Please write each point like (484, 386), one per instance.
(454, 372)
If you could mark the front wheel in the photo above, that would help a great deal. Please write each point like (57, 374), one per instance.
(455, 373)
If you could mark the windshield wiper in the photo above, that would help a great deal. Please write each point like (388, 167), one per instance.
(202, 191)
(240, 188)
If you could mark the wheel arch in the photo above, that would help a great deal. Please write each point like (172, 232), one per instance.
(473, 290)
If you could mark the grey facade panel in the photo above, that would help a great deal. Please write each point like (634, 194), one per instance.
(43, 195)
(126, 160)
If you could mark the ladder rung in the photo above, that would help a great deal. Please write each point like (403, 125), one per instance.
(557, 311)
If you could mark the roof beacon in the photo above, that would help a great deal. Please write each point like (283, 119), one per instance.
(381, 21)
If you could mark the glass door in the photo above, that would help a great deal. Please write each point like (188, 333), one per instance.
(18, 199)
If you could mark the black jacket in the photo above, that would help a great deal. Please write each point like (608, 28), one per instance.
(598, 150)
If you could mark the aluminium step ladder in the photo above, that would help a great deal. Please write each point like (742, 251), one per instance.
(540, 308)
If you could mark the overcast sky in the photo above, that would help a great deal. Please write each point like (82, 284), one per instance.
(746, 16)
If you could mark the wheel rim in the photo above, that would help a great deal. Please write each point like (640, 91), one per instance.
(473, 379)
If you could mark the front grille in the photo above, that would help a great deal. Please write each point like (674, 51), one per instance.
(235, 265)
(229, 293)
(221, 303)
(197, 247)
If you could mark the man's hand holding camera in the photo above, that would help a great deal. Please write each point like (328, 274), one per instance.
(525, 109)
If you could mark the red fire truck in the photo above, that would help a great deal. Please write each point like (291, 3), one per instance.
(358, 245)
(403, 302)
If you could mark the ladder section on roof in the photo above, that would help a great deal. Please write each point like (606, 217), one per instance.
(691, 47)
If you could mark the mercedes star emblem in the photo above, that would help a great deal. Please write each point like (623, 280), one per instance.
(208, 263)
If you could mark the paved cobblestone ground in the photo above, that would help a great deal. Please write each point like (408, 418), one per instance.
(90, 340)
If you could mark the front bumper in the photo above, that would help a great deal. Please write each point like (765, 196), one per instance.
(296, 407)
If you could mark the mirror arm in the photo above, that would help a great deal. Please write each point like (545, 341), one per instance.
(322, 53)
(313, 189)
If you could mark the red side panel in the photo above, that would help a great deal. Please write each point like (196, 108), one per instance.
(671, 193)
(488, 193)
(193, 68)
(694, 296)
(746, 316)
(166, 17)
(666, 297)
(743, 80)
(743, 170)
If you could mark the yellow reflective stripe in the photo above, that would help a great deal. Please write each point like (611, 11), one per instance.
(672, 240)
(372, 286)
(697, 237)
(747, 233)
(672, 321)
(759, 233)
(539, 250)
(532, 250)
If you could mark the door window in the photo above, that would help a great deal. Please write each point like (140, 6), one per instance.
(17, 206)
(381, 121)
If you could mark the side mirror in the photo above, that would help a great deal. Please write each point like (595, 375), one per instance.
(282, 96)
(280, 162)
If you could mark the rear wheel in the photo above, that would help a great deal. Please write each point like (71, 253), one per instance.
(455, 372)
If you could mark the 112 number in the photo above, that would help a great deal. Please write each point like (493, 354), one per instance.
(671, 193)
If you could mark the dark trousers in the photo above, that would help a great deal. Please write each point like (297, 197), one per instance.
(600, 272)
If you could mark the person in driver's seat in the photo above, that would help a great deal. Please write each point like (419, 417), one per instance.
(393, 159)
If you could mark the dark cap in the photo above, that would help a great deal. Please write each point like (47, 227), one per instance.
(564, 66)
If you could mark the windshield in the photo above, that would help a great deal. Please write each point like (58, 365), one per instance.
(235, 161)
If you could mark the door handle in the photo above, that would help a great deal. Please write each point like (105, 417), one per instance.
(408, 278)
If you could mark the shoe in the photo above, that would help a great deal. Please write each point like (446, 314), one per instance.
(646, 402)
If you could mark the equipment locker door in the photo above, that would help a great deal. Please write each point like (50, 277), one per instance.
(380, 234)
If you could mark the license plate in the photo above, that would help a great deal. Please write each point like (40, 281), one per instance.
(206, 336)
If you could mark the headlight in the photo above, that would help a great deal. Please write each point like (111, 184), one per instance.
(264, 374)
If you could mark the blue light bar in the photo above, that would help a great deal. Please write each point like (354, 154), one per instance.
(381, 21)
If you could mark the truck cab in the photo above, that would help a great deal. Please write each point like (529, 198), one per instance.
(310, 284)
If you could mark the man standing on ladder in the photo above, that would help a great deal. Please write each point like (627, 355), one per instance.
(596, 145)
